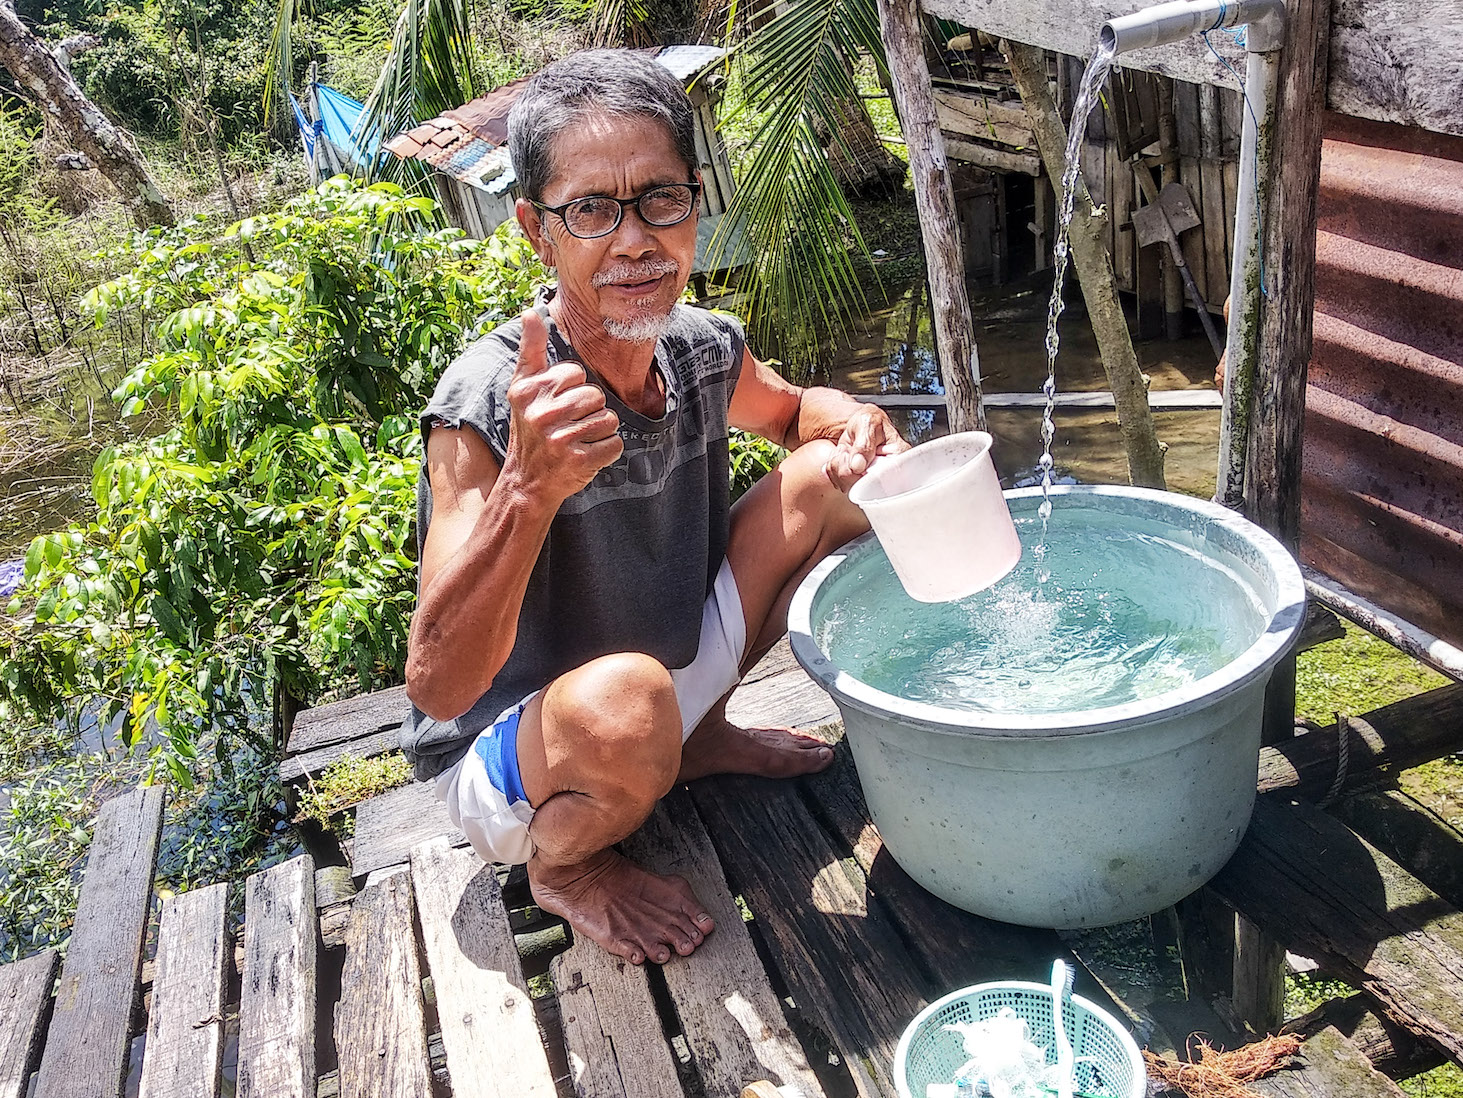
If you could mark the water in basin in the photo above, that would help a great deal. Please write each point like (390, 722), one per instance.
(1130, 609)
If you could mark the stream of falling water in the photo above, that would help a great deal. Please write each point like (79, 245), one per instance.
(1087, 97)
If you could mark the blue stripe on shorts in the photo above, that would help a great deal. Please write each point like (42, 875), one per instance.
(498, 748)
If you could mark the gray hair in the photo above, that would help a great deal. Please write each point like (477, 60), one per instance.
(613, 82)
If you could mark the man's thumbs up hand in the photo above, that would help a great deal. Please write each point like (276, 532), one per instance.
(561, 433)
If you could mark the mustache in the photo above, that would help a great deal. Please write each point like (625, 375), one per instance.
(635, 272)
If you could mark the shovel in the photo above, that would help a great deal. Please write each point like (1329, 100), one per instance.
(1168, 213)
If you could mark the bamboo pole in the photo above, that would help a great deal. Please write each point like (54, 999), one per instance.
(1094, 272)
(899, 25)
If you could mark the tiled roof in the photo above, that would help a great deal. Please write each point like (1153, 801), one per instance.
(467, 142)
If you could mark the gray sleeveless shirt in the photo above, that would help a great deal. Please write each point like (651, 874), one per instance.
(630, 559)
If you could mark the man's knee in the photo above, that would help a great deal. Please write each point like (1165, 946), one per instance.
(810, 492)
(621, 712)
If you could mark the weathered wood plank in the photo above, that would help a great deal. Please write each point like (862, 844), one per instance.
(1288, 242)
(719, 161)
(25, 990)
(982, 117)
(1410, 834)
(185, 1030)
(1230, 175)
(617, 1047)
(715, 202)
(488, 1030)
(1406, 733)
(1217, 229)
(86, 1043)
(732, 1019)
(779, 658)
(277, 1000)
(1389, 1048)
(999, 160)
(1331, 1066)
(1125, 253)
(1322, 891)
(348, 719)
(1186, 117)
(1397, 61)
(1193, 240)
(1392, 60)
(841, 954)
(388, 827)
(787, 699)
(380, 1027)
(295, 767)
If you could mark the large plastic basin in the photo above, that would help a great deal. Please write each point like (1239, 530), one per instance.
(1074, 819)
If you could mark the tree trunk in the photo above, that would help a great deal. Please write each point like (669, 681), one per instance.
(42, 77)
(1094, 272)
(899, 25)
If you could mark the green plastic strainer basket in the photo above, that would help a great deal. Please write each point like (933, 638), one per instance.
(1108, 1061)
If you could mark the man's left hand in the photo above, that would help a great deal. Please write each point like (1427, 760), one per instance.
(867, 436)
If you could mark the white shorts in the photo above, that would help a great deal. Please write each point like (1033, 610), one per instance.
(483, 791)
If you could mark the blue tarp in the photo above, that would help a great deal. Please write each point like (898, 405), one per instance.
(339, 116)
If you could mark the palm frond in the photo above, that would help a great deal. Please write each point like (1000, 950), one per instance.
(789, 214)
(279, 62)
(622, 22)
(431, 69)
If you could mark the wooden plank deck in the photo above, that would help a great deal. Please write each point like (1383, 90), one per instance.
(185, 1032)
(824, 947)
(25, 994)
(86, 1044)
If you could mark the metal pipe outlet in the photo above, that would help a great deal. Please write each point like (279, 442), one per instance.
(1164, 23)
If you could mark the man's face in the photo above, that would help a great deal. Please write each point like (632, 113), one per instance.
(629, 280)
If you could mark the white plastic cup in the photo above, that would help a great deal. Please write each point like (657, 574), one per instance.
(939, 513)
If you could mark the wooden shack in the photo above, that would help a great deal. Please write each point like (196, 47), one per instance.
(1006, 201)
(466, 150)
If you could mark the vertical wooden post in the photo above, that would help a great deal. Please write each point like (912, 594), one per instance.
(1259, 978)
(1273, 460)
(1272, 476)
(1273, 467)
(899, 26)
(1168, 146)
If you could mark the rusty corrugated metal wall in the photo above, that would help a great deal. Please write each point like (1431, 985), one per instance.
(1382, 488)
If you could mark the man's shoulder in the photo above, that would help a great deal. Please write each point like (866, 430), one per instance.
(486, 358)
(713, 341)
(474, 382)
(693, 321)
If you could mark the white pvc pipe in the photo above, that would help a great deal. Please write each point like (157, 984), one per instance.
(1164, 23)
(1264, 22)
(1242, 345)
(1415, 641)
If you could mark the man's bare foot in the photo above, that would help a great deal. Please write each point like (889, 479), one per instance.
(720, 747)
(631, 912)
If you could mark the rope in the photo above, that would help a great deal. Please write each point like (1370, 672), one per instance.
(1343, 759)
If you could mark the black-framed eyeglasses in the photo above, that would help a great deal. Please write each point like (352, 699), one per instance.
(599, 215)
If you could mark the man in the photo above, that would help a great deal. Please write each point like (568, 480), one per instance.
(587, 596)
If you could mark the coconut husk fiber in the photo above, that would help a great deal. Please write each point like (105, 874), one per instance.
(1216, 1074)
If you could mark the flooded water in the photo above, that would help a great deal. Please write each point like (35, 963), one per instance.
(891, 351)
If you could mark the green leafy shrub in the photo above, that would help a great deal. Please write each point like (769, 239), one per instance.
(266, 541)
(42, 841)
(752, 458)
